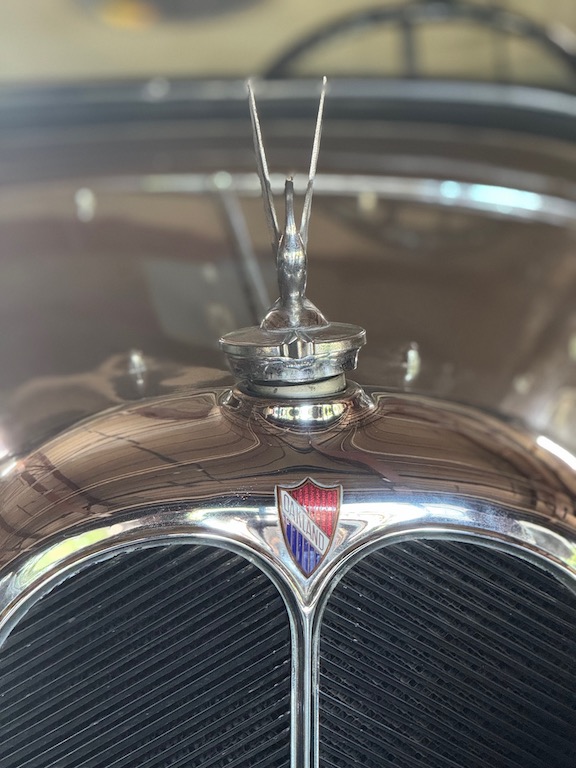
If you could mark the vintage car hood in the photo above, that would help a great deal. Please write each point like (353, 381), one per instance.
(291, 568)
(444, 218)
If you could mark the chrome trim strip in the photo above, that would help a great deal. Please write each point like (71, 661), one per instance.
(377, 91)
(255, 533)
(495, 199)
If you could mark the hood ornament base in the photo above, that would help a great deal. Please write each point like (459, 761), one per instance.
(294, 344)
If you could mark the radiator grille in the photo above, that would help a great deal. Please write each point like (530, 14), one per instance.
(448, 655)
(167, 657)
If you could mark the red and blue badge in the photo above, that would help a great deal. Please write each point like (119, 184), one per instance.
(309, 516)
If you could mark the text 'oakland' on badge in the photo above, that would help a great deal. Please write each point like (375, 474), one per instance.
(309, 516)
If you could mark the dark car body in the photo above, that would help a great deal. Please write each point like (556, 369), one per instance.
(154, 610)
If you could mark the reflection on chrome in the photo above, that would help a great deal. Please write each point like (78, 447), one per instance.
(550, 541)
(413, 363)
(85, 201)
(137, 368)
(254, 531)
(509, 202)
(38, 566)
(7, 468)
(308, 413)
(558, 451)
(4, 450)
(502, 199)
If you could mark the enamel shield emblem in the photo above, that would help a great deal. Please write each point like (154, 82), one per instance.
(309, 516)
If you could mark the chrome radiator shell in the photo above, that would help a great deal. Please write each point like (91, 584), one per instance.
(203, 467)
(206, 463)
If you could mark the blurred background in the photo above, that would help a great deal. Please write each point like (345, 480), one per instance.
(63, 40)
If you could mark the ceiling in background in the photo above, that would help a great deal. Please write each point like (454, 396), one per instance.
(98, 39)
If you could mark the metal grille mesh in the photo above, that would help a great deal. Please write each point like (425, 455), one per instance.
(448, 655)
(167, 657)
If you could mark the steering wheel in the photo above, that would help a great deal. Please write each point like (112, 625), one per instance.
(408, 16)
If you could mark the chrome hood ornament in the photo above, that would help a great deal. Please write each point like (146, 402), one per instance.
(294, 344)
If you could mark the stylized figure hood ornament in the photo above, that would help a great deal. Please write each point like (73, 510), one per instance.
(294, 344)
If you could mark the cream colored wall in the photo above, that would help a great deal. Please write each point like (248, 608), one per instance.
(55, 39)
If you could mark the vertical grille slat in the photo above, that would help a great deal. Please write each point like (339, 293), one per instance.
(180, 655)
(438, 653)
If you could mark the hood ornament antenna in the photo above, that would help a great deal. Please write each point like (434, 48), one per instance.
(294, 344)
